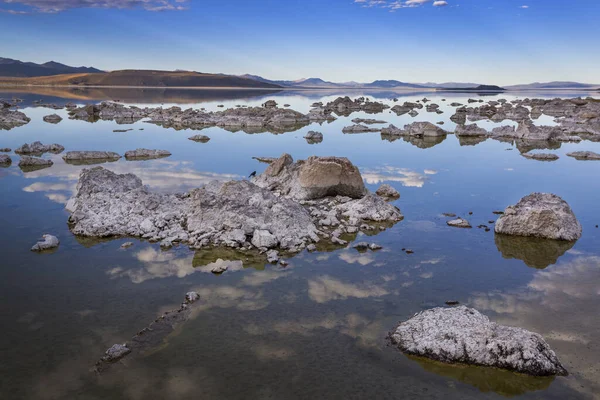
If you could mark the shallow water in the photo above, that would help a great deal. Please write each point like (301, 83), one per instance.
(316, 328)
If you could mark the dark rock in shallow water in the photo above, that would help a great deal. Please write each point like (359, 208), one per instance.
(5, 160)
(541, 156)
(146, 154)
(30, 164)
(53, 118)
(584, 155)
(90, 157)
(37, 149)
(463, 335)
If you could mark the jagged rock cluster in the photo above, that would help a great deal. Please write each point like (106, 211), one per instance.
(37, 149)
(11, 118)
(288, 207)
(464, 335)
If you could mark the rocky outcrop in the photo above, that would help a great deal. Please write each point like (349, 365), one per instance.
(584, 155)
(470, 130)
(237, 214)
(314, 178)
(28, 163)
(5, 150)
(540, 215)
(90, 157)
(359, 129)
(53, 118)
(5, 160)
(37, 148)
(270, 104)
(417, 129)
(48, 242)
(146, 154)
(11, 119)
(541, 156)
(314, 137)
(345, 106)
(464, 335)
(387, 192)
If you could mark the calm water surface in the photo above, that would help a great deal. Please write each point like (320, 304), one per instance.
(315, 329)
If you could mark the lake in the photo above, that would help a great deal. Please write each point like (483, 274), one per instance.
(316, 328)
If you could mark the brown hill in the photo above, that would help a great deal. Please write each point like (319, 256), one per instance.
(141, 78)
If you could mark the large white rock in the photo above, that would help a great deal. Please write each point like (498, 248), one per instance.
(541, 215)
(464, 335)
(48, 242)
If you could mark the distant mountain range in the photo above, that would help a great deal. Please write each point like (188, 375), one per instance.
(54, 73)
(16, 68)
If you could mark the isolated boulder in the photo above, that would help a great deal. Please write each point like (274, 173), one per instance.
(584, 155)
(53, 118)
(387, 191)
(5, 160)
(541, 215)
(464, 335)
(314, 137)
(48, 242)
(146, 154)
(37, 148)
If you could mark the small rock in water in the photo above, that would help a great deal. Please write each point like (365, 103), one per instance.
(452, 303)
(5, 150)
(459, 223)
(219, 269)
(540, 215)
(388, 192)
(409, 251)
(449, 215)
(116, 352)
(52, 118)
(464, 335)
(200, 138)
(272, 256)
(584, 155)
(374, 246)
(362, 246)
(146, 154)
(126, 245)
(5, 160)
(311, 247)
(47, 242)
(191, 297)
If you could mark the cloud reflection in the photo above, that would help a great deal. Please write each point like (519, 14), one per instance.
(405, 176)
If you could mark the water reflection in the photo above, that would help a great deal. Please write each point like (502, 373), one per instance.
(405, 176)
(534, 252)
(558, 303)
(505, 383)
(327, 288)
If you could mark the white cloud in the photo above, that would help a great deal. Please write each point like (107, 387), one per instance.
(440, 3)
(54, 6)
(398, 4)
(524, 6)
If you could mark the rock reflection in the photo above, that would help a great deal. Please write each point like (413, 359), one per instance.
(424, 142)
(505, 383)
(534, 252)
(560, 303)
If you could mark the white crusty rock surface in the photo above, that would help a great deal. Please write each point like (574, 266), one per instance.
(540, 215)
(464, 335)
(314, 178)
(48, 242)
(146, 154)
(237, 214)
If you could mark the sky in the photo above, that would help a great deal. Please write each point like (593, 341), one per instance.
(483, 41)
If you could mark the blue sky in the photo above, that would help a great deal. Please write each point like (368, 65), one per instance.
(488, 41)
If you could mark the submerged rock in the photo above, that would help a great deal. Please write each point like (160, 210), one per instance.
(387, 191)
(584, 155)
(48, 242)
(116, 352)
(464, 335)
(459, 223)
(37, 148)
(200, 138)
(540, 215)
(146, 154)
(541, 156)
(534, 252)
(53, 118)
(314, 137)
(90, 157)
